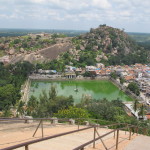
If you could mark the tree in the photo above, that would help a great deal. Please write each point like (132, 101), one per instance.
(51, 103)
(133, 87)
(16, 41)
(142, 110)
(87, 74)
(135, 105)
(113, 75)
(11, 79)
(122, 80)
(32, 105)
(21, 108)
(6, 112)
(8, 96)
(52, 92)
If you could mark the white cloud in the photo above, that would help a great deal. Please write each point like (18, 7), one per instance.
(38, 1)
(3, 16)
(125, 13)
(101, 4)
(79, 11)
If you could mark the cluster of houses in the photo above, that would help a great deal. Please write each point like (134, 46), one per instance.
(138, 73)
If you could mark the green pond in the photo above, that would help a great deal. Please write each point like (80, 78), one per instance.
(97, 89)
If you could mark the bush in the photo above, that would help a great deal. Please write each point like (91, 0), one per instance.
(72, 112)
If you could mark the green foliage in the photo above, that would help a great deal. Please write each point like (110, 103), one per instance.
(105, 110)
(142, 110)
(20, 108)
(88, 58)
(87, 74)
(6, 113)
(2, 53)
(129, 59)
(135, 105)
(38, 37)
(22, 69)
(31, 105)
(52, 93)
(76, 41)
(8, 96)
(122, 80)
(17, 41)
(133, 87)
(114, 75)
(11, 79)
(55, 35)
(48, 104)
(58, 65)
(72, 112)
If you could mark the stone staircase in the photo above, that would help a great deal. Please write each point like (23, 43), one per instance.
(71, 141)
(23, 133)
(139, 143)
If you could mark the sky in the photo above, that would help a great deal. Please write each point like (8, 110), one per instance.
(131, 15)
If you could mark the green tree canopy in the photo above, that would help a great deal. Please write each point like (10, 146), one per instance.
(133, 87)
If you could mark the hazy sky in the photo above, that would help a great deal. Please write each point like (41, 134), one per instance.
(132, 15)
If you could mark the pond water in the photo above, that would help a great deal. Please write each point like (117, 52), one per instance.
(97, 89)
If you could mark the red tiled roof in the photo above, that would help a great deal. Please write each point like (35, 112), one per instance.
(148, 116)
(129, 77)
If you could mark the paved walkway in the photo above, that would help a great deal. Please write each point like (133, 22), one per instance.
(139, 143)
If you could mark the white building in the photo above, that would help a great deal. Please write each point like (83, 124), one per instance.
(90, 68)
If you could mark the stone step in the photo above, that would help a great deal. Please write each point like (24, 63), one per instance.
(67, 142)
(18, 133)
(139, 143)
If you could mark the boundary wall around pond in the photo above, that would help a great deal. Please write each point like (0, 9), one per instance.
(121, 87)
(128, 92)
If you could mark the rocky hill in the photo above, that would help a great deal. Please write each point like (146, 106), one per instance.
(33, 47)
(108, 45)
(108, 39)
(104, 44)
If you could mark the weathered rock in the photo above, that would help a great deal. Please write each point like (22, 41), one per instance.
(22, 50)
(11, 51)
(105, 58)
(82, 47)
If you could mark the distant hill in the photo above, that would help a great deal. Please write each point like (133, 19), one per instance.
(140, 37)
(21, 32)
